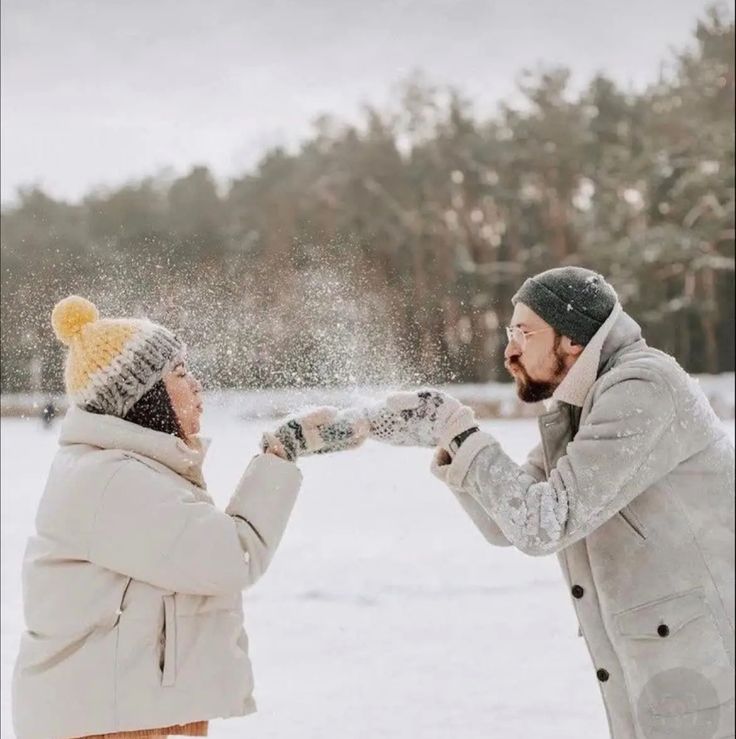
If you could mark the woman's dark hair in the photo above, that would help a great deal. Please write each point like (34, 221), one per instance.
(153, 410)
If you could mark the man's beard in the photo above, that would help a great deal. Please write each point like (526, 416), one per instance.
(532, 391)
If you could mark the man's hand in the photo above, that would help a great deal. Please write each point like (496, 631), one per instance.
(426, 418)
(317, 432)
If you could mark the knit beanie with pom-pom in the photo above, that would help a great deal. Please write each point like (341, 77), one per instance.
(112, 362)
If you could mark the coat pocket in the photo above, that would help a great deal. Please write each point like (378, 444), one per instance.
(168, 642)
(628, 516)
(121, 607)
(676, 665)
(663, 618)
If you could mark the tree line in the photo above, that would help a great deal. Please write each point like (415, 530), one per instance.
(388, 251)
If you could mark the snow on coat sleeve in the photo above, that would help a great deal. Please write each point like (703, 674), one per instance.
(534, 466)
(621, 450)
(152, 529)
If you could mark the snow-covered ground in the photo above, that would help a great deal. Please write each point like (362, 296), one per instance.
(385, 614)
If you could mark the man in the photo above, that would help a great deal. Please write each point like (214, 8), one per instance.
(631, 487)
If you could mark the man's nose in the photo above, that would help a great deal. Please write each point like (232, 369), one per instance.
(512, 350)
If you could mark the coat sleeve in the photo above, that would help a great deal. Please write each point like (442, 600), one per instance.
(150, 528)
(534, 466)
(479, 516)
(623, 447)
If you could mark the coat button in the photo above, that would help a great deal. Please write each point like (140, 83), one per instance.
(578, 591)
(602, 675)
(663, 630)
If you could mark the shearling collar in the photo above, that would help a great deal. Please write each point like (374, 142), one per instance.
(578, 381)
(109, 432)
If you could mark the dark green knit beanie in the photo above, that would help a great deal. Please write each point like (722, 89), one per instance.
(573, 300)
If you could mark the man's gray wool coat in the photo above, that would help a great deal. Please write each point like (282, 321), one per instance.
(633, 488)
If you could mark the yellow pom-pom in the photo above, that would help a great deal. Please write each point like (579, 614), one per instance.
(71, 315)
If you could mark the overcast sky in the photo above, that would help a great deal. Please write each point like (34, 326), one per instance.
(98, 92)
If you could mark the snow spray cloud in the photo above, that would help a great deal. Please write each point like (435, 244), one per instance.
(332, 322)
(324, 318)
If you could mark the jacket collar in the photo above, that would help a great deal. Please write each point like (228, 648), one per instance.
(618, 331)
(109, 432)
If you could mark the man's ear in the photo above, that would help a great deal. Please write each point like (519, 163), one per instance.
(570, 347)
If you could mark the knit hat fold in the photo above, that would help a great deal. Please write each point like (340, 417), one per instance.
(112, 362)
(573, 300)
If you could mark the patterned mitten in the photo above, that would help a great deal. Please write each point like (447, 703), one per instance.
(317, 432)
(425, 418)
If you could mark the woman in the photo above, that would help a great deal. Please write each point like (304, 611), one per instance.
(133, 579)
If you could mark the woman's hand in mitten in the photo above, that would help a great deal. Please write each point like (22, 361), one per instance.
(425, 418)
(317, 432)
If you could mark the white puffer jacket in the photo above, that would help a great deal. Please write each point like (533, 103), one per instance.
(132, 583)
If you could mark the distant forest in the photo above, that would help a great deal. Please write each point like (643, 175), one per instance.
(389, 251)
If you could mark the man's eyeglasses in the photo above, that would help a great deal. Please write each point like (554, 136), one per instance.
(519, 336)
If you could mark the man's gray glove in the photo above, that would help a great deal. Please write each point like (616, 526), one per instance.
(426, 418)
(319, 431)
